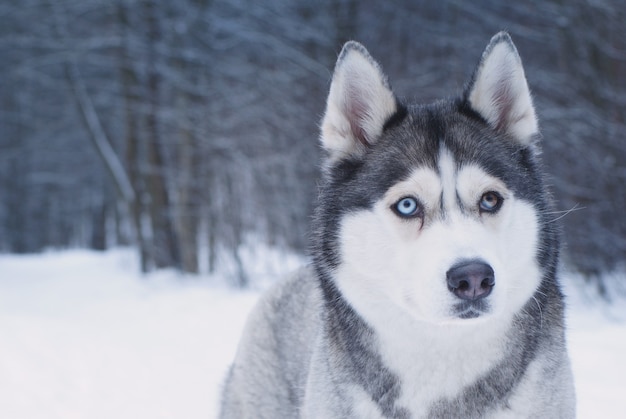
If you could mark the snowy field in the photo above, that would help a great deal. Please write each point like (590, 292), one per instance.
(82, 335)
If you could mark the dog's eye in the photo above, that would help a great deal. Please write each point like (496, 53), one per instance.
(490, 202)
(407, 207)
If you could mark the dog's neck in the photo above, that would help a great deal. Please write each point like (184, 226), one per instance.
(407, 366)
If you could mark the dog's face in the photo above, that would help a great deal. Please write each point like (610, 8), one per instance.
(445, 240)
(434, 209)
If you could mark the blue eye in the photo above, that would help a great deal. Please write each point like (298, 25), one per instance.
(407, 207)
(490, 202)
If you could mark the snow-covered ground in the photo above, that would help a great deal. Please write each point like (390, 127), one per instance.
(82, 335)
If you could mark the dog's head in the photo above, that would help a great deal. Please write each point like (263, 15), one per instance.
(437, 209)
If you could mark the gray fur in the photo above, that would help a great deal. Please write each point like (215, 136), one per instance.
(306, 352)
(268, 380)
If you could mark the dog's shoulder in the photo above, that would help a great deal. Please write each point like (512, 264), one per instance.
(275, 351)
(286, 315)
(292, 302)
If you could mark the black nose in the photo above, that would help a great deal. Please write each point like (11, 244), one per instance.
(471, 280)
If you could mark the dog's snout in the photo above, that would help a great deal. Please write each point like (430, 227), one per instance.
(471, 280)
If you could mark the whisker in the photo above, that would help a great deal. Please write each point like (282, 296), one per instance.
(540, 313)
(564, 213)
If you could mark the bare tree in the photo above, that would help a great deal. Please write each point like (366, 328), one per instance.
(189, 128)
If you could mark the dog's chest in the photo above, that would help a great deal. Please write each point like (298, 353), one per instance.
(436, 365)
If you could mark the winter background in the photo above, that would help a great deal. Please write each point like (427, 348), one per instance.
(159, 162)
(83, 335)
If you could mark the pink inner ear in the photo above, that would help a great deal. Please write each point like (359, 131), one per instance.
(356, 111)
(503, 102)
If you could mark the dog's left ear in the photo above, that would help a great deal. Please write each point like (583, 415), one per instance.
(499, 93)
(359, 103)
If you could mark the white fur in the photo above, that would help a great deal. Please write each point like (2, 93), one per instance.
(363, 407)
(359, 97)
(394, 275)
(501, 95)
(447, 173)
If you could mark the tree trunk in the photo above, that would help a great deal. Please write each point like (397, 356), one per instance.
(164, 244)
(187, 214)
(130, 86)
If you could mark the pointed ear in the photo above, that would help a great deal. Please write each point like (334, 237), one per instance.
(499, 93)
(359, 103)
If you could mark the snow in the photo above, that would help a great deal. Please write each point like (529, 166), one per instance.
(597, 342)
(82, 335)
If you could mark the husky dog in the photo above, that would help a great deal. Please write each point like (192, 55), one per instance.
(433, 290)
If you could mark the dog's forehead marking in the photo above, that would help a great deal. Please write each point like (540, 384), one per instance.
(447, 173)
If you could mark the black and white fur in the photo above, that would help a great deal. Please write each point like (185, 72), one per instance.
(433, 292)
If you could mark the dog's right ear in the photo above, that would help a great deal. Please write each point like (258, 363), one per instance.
(359, 103)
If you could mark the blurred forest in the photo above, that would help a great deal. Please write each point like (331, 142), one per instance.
(188, 127)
